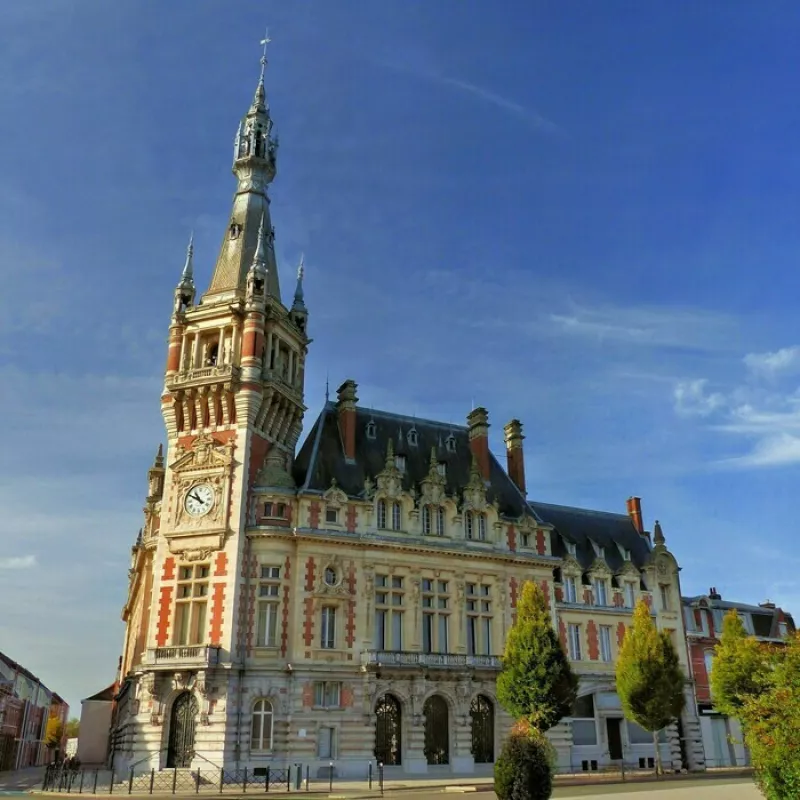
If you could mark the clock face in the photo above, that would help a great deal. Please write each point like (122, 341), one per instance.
(199, 500)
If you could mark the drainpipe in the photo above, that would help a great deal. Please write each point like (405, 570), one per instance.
(242, 651)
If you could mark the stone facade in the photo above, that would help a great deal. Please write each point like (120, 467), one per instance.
(349, 602)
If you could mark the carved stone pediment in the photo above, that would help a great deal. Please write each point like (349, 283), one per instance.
(206, 454)
(600, 569)
(571, 566)
(475, 491)
(335, 496)
(390, 479)
(273, 472)
(199, 554)
(432, 487)
(628, 570)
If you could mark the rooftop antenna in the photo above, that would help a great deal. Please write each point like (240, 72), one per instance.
(327, 389)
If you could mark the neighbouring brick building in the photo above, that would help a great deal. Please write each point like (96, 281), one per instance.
(25, 706)
(348, 602)
(703, 615)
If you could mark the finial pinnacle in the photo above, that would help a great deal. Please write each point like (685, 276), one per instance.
(301, 269)
(187, 277)
(265, 41)
(260, 257)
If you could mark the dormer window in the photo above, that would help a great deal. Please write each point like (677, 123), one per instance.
(275, 510)
(235, 231)
(598, 551)
(525, 539)
(450, 443)
(400, 463)
(570, 548)
(371, 429)
(441, 468)
(332, 515)
(412, 437)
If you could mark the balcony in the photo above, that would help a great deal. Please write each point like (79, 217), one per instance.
(200, 375)
(198, 656)
(408, 660)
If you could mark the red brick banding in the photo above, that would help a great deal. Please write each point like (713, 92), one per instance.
(621, 630)
(347, 697)
(587, 596)
(541, 545)
(313, 514)
(287, 575)
(511, 537)
(221, 567)
(546, 592)
(310, 574)
(217, 613)
(352, 518)
(308, 621)
(169, 569)
(308, 695)
(591, 635)
(164, 609)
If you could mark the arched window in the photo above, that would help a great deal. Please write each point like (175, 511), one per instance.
(440, 521)
(381, 514)
(469, 525)
(396, 516)
(371, 429)
(261, 730)
(482, 527)
(426, 520)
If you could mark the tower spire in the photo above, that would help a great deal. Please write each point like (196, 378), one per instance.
(187, 276)
(254, 165)
(299, 302)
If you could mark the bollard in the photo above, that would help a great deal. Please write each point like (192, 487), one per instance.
(221, 779)
(266, 781)
(289, 779)
(369, 774)
(330, 778)
(244, 782)
(298, 778)
(152, 779)
(94, 791)
(130, 782)
(80, 787)
(174, 779)
(622, 766)
(380, 776)
(197, 782)
(308, 776)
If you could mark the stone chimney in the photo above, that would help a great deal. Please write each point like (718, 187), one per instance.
(635, 513)
(346, 407)
(713, 594)
(768, 605)
(514, 454)
(478, 424)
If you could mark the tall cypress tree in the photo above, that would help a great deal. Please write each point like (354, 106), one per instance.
(537, 683)
(650, 681)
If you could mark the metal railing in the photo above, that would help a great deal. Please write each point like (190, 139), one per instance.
(203, 655)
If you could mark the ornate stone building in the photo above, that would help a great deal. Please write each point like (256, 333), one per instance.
(349, 602)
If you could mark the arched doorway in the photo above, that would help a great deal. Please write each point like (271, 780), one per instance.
(388, 731)
(481, 712)
(437, 730)
(180, 749)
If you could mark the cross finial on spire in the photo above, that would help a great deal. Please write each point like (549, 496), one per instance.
(265, 41)
(299, 302)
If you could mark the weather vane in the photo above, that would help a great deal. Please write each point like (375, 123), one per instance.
(265, 41)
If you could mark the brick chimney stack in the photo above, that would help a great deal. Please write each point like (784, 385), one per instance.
(713, 594)
(346, 407)
(514, 453)
(478, 424)
(635, 513)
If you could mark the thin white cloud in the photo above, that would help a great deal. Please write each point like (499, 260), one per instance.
(772, 451)
(692, 399)
(18, 562)
(513, 107)
(783, 361)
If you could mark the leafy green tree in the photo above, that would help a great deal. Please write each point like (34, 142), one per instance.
(73, 728)
(739, 667)
(524, 769)
(650, 681)
(537, 682)
(771, 719)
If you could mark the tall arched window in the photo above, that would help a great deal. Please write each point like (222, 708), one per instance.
(381, 514)
(261, 730)
(440, 521)
(482, 527)
(396, 516)
(426, 519)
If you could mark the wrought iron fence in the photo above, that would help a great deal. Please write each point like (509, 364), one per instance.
(294, 778)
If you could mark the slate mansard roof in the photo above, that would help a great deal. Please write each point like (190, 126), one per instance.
(321, 458)
(583, 526)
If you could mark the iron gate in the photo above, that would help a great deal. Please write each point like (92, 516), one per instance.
(181, 731)
(437, 730)
(388, 731)
(482, 713)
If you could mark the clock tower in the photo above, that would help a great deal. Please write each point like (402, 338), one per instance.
(233, 406)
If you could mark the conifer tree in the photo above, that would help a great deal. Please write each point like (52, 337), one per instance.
(650, 682)
(537, 683)
(738, 669)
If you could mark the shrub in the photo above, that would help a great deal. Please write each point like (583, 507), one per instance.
(524, 769)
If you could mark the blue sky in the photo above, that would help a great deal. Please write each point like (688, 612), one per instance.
(583, 215)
